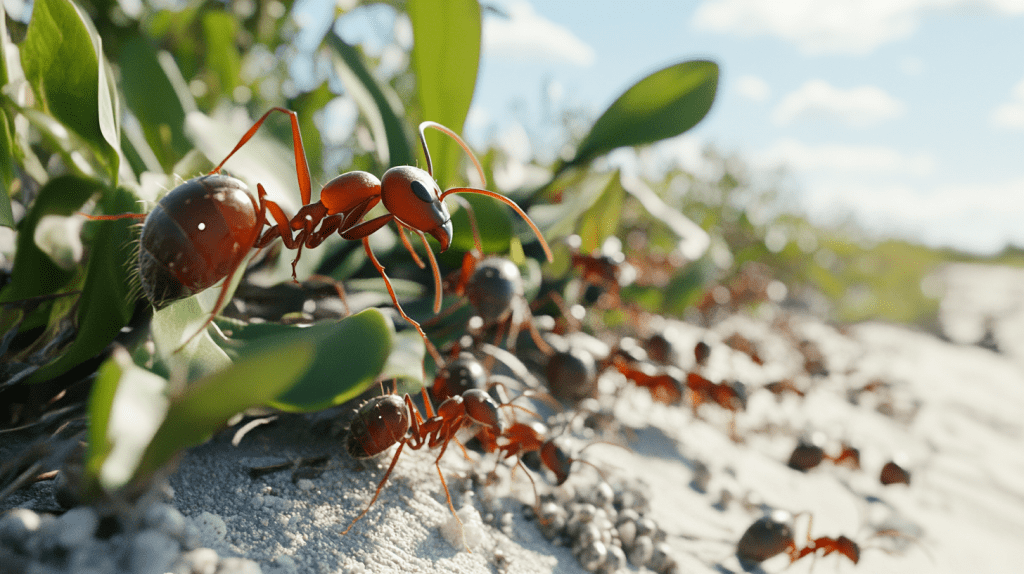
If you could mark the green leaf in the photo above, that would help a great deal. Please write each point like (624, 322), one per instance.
(350, 355)
(126, 408)
(6, 135)
(580, 193)
(107, 301)
(34, 273)
(602, 219)
(445, 57)
(151, 96)
(662, 105)
(63, 61)
(378, 104)
(493, 219)
(222, 56)
(207, 405)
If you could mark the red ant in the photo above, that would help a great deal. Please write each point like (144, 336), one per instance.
(389, 419)
(186, 249)
(808, 455)
(605, 269)
(663, 386)
(772, 535)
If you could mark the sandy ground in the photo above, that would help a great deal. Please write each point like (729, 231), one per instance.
(948, 410)
(949, 413)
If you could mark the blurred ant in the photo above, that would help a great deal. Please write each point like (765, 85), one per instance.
(744, 345)
(730, 396)
(807, 455)
(630, 360)
(893, 473)
(202, 230)
(772, 535)
(779, 388)
(605, 269)
(389, 419)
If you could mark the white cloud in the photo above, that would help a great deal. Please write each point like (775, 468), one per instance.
(526, 35)
(831, 26)
(1011, 114)
(981, 217)
(753, 88)
(845, 158)
(857, 107)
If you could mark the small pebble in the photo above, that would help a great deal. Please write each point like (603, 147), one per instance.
(200, 561)
(593, 556)
(76, 526)
(641, 552)
(152, 552)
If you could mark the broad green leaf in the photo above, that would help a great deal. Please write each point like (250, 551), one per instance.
(207, 405)
(445, 57)
(152, 98)
(222, 56)
(34, 273)
(662, 105)
(378, 104)
(63, 62)
(350, 355)
(107, 301)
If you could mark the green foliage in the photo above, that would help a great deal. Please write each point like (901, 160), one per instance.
(188, 81)
(662, 105)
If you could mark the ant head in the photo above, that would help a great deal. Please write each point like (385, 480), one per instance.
(412, 196)
(380, 422)
(459, 376)
(557, 460)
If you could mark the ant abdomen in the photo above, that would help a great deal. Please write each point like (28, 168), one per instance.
(767, 537)
(493, 288)
(197, 235)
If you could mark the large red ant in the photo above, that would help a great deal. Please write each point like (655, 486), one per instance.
(389, 419)
(186, 248)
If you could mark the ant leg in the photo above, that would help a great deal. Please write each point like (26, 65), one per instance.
(394, 299)
(380, 485)
(437, 272)
(447, 494)
(408, 247)
(301, 166)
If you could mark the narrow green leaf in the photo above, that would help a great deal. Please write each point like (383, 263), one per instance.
(6, 135)
(101, 402)
(662, 105)
(67, 73)
(207, 405)
(580, 192)
(222, 56)
(445, 58)
(152, 98)
(34, 273)
(107, 302)
(381, 107)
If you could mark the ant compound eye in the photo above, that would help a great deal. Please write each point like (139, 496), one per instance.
(421, 191)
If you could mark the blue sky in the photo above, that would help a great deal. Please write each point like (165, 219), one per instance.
(909, 114)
